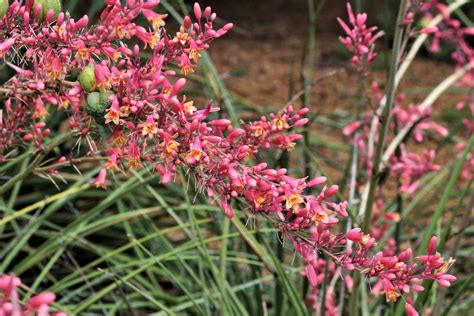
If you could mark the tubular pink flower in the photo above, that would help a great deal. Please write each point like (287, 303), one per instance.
(101, 178)
(5, 46)
(360, 40)
(411, 311)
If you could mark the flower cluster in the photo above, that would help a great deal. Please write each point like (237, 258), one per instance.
(410, 165)
(360, 40)
(57, 49)
(40, 304)
(450, 32)
(396, 275)
(315, 272)
(452, 35)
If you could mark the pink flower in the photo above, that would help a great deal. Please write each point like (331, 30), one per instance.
(10, 300)
(113, 113)
(5, 46)
(102, 77)
(411, 311)
(100, 181)
(39, 300)
(360, 39)
(227, 209)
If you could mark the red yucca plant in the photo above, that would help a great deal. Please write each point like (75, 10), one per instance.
(114, 89)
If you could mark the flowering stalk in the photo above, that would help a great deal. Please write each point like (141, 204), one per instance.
(360, 40)
(385, 119)
(149, 122)
(383, 129)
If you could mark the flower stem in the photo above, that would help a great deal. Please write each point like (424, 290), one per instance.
(385, 119)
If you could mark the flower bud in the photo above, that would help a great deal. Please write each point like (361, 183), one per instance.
(331, 191)
(38, 10)
(47, 5)
(311, 275)
(316, 181)
(60, 18)
(443, 282)
(349, 282)
(28, 137)
(432, 245)
(87, 78)
(82, 22)
(354, 234)
(187, 22)
(411, 311)
(222, 123)
(197, 11)
(180, 83)
(207, 12)
(301, 122)
(45, 298)
(235, 133)
(429, 30)
(227, 209)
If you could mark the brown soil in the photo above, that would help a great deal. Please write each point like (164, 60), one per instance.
(263, 53)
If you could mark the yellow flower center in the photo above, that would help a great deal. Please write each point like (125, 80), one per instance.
(260, 200)
(189, 107)
(258, 131)
(150, 128)
(293, 200)
(182, 37)
(134, 162)
(446, 265)
(280, 123)
(365, 239)
(321, 217)
(392, 295)
(186, 70)
(196, 154)
(112, 116)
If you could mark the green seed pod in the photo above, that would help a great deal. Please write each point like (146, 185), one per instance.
(87, 78)
(104, 98)
(47, 5)
(97, 103)
(422, 23)
(3, 8)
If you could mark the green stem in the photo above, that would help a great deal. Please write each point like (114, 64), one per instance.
(324, 288)
(385, 119)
